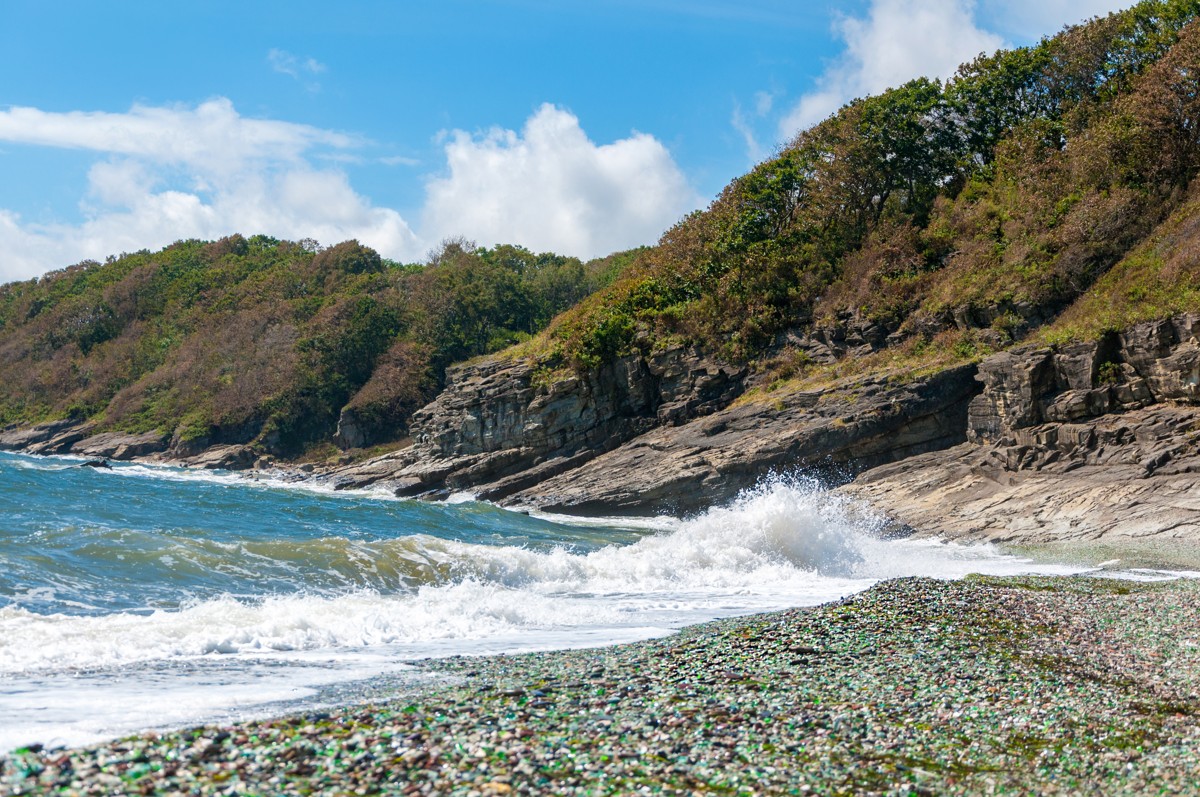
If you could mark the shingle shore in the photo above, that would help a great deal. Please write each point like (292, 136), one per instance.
(985, 686)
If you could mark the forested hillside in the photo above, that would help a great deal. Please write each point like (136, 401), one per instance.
(266, 340)
(940, 221)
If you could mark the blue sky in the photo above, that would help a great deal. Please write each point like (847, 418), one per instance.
(581, 127)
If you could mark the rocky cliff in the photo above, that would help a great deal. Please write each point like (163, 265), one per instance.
(1084, 441)
(655, 434)
(833, 432)
(1038, 443)
(502, 426)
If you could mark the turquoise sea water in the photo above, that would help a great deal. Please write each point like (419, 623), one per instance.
(145, 596)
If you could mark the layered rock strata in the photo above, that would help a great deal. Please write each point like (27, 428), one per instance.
(1086, 441)
(831, 433)
(653, 435)
(1080, 441)
(500, 426)
(80, 439)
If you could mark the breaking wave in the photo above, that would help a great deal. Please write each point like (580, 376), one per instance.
(785, 543)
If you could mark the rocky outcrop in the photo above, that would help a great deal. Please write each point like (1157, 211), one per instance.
(1125, 476)
(846, 335)
(228, 457)
(1148, 364)
(1086, 441)
(501, 422)
(80, 439)
(350, 432)
(119, 445)
(835, 432)
(611, 444)
(55, 437)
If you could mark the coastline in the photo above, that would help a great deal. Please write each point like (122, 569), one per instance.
(1035, 444)
(986, 685)
(948, 334)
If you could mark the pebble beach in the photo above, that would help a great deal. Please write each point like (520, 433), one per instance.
(1049, 685)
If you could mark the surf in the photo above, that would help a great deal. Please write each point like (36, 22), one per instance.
(285, 590)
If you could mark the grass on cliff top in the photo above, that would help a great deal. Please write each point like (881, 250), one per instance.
(1159, 279)
(792, 372)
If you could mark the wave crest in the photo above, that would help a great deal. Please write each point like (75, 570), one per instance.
(785, 543)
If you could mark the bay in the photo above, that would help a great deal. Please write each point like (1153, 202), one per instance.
(144, 596)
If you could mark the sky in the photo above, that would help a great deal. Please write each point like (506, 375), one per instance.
(561, 125)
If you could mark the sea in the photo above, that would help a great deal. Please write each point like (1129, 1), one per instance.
(147, 597)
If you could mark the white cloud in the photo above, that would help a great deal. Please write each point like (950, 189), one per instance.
(897, 41)
(551, 188)
(748, 125)
(212, 135)
(754, 150)
(166, 173)
(296, 67)
(175, 172)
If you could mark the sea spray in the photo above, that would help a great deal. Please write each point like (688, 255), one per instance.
(787, 541)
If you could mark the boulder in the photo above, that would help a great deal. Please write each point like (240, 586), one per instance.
(349, 432)
(231, 457)
(121, 445)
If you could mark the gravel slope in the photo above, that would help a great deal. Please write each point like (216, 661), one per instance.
(984, 686)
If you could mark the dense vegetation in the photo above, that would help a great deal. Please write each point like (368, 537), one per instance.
(966, 213)
(259, 339)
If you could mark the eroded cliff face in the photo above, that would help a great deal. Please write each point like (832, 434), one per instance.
(645, 436)
(648, 435)
(832, 433)
(1086, 441)
(1033, 444)
(502, 426)
(1149, 364)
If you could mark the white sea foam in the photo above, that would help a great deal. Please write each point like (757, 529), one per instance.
(273, 479)
(784, 544)
(81, 708)
(377, 601)
(266, 479)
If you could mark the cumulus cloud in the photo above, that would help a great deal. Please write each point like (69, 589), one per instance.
(897, 40)
(212, 131)
(549, 187)
(166, 173)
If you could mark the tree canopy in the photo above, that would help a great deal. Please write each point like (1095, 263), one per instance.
(257, 338)
(996, 197)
